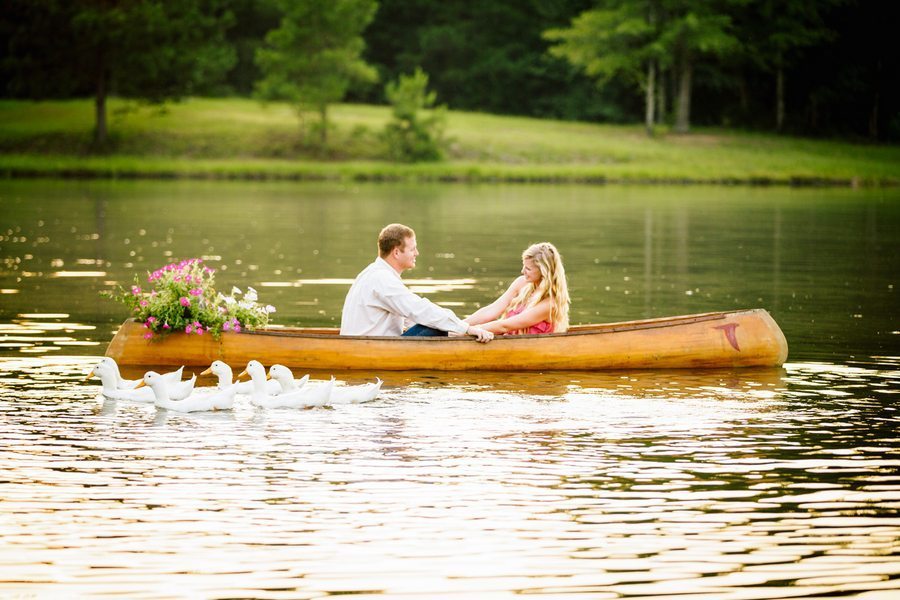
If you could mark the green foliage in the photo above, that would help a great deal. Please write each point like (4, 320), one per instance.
(410, 136)
(622, 37)
(256, 19)
(831, 64)
(701, 29)
(780, 30)
(313, 57)
(183, 298)
(485, 56)
(151, 50)
(608, 43)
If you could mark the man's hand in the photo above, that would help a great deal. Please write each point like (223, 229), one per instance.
(482, 335)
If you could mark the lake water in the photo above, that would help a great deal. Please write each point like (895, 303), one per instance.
(744, 484)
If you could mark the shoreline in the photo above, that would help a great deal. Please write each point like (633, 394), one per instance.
(432, 174)
(239, 139)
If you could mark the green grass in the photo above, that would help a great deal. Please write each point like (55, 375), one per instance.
(238, 138)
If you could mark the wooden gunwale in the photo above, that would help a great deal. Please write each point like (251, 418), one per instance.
(329, 332)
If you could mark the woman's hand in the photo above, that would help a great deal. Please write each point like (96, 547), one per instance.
(481, 335)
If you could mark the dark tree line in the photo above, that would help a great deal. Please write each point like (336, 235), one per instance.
(811, 67)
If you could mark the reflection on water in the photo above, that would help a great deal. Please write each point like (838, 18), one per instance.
(43, 332)
(767, 483)
(739, 484)
(823, 262)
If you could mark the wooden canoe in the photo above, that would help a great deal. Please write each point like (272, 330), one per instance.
(747, 338)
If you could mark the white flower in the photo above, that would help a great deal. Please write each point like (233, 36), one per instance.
(251, 295)
(235, 291)
(270, 308)
(229, 300)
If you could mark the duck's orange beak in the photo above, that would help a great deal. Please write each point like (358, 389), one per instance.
(241, 374)
(140, 385)
(207, 371)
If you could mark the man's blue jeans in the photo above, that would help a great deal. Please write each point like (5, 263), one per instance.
(423, 331)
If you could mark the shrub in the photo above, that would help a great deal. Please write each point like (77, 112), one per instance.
(411, 137)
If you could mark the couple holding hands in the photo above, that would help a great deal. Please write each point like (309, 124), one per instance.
(379, 304)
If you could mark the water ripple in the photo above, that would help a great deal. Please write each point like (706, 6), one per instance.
(756, 484)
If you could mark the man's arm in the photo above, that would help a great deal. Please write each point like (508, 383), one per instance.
(400, 300)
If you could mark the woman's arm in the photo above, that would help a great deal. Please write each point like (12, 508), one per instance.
(493, 310)
(525, 319)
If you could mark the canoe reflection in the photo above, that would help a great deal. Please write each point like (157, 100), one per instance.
(674, 383)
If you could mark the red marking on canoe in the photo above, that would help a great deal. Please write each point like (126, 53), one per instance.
(728, 330)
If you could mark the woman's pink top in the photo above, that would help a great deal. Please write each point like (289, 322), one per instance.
(542, 327)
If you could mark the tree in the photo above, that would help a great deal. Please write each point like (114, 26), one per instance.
(630, 39)
(313, 57)
(487, 56)
(693, 31)
(150, 50)
(619, 41)
(257, 18)
(776, 33)
(410, 136)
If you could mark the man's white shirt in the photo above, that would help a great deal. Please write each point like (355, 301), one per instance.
(379, 303)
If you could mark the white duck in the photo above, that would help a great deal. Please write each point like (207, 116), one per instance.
(108, 373)
(302, 397)
(215, 399)
(355, 394)
(172, 377)
(226, 379)
(282, 376)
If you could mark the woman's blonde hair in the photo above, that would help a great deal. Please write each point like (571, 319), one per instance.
(552, 285)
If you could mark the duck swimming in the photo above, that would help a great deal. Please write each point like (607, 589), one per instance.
(285, 379)
(172, 377)
(108, 372)
(198, 401)
(299, 398)
(355, 394)
(226, 379)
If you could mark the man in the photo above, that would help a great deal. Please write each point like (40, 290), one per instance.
(378, 302)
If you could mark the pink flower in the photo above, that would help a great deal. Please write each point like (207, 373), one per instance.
(189, 329)
(148, 335)
(166, 326)
(237, 327)
(196, 292)
(135, 290)
(226, 326)
(151, 320)
(184, 301)
(199, 331)
(144, 303)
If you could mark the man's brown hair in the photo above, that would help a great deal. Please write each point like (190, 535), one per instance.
(393, 236)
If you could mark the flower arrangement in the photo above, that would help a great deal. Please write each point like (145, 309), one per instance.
(182, 297)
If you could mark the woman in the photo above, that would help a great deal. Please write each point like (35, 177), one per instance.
(536, 302)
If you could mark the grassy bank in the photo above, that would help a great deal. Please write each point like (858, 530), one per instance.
(237, 138)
